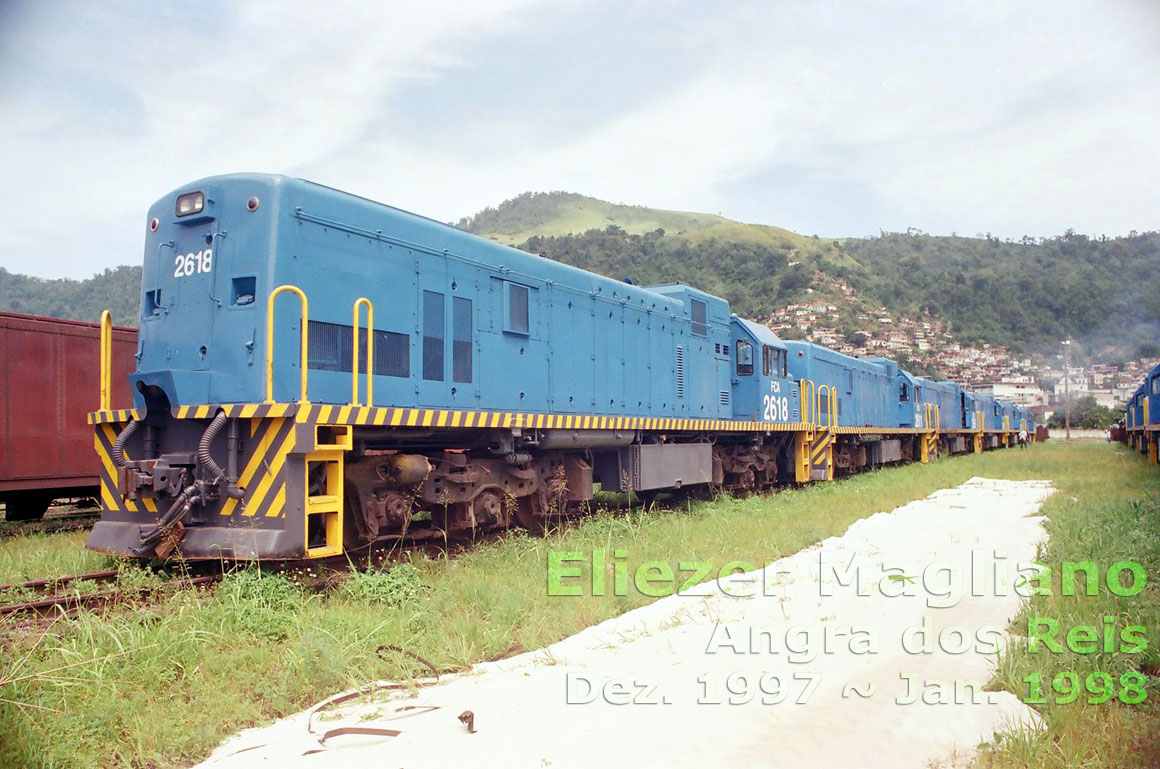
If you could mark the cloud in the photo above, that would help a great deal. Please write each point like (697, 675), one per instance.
(96, 132)
(833, 118)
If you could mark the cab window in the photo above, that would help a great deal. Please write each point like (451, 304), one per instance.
(768, 361)
(744, 358)
(775, 363)
(903, 392)
(1156, 386)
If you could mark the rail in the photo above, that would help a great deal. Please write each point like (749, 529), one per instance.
(72, 599)
(362, 301)
(106, 360)
(270, 339)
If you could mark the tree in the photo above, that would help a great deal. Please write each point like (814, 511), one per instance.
(1086, 414)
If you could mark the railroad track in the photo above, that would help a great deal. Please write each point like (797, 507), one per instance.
(72, 521)
(54, 593)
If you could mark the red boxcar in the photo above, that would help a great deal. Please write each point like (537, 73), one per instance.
(49, 383)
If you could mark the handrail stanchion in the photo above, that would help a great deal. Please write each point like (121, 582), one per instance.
(831, 407)
(270, 339)
(813, 405)
(106, 360)
(807, 402)
(363, 302)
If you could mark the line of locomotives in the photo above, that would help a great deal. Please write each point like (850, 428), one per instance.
(1141, 428)
(317, 371)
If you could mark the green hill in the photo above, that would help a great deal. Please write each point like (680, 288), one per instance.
(1025, 295)
(117, 290)
(567, 213)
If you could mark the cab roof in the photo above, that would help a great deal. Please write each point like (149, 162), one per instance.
(760, 333)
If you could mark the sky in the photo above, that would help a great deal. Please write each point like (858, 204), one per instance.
(830, 118)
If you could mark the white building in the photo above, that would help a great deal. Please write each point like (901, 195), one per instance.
(1019, 392)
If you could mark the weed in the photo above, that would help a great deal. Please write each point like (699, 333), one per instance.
(261, 603)
(395, 586)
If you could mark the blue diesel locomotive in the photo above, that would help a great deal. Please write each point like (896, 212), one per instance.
(1142, 417)
(317, 372)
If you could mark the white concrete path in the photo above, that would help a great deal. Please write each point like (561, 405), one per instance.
(837, 648)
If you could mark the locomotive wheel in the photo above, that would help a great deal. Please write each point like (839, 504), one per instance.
(543, 507)
(488, 510)
(532, 511)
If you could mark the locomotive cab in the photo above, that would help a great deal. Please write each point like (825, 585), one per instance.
(762, 390)
(905, 393)
(967, 410)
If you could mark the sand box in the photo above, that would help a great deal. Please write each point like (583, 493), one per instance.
(866, 650)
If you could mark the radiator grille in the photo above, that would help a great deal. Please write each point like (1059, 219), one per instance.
(680, 371)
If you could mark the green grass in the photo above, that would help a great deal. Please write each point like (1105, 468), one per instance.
(1104, 513)
(162, 684)
(37, 556)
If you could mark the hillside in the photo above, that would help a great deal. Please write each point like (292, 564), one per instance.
(116, 290)
(567, 213)
(1025, 295)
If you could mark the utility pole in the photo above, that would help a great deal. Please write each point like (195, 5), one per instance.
(1067, 388)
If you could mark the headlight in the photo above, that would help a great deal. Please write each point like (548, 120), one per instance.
(190, 203)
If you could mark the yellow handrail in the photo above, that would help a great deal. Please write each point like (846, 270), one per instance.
(807, 395)
(933, 416)
(270, 339)
(106, 360)
(831, 406)
(362, 301)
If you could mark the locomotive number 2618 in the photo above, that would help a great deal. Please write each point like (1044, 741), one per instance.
(185, 265)
(774, 408)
